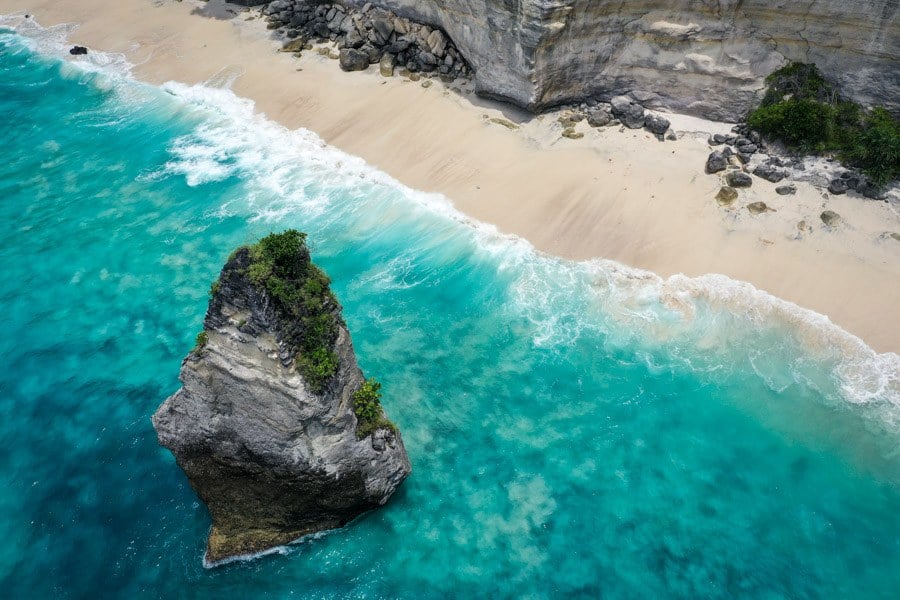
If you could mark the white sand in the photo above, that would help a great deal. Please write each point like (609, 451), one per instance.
(616, 194)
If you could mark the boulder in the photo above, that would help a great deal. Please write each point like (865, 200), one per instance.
(633, 118)
(384, 27)
(786, 190)
(294, 45)
(726, 196)
(838, 186)
(620, 104)
(738, 179)
(374, 54)
(716, 162)
(831, 218)
(656, 124)
(352, 59)
(598, 117)
(78, 50)
(757, 208)
(354, 39)
(769, 173)
(386, 66)
(437, 43)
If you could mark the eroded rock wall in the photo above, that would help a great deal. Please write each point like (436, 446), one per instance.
(706, 57)
(272, 459)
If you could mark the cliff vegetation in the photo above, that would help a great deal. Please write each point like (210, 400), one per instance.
(809, 114)
(280, 264)
(367, 407)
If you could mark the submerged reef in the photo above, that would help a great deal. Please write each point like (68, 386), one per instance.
(275, 426)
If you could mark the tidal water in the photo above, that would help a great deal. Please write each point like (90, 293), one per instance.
(575, 429)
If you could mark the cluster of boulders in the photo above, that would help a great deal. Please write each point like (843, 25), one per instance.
(745, 145)
(367, 36)
(621, 110)
(850, 180)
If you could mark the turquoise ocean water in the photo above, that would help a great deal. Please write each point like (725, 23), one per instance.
(575, 429)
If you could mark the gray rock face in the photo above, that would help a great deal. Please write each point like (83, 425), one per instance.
(272, 459)
(706, 57)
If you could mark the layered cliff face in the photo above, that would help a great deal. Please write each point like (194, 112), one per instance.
(707, 57)
(276, 454)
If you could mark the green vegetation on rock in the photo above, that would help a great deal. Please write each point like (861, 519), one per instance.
(280, 264)
(367, 406)
(806, 112)
(200, 343)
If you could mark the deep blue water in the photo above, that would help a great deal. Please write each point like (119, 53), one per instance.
(575, 429)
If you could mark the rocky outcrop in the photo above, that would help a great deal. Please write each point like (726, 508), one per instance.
(706, 57)
(368, 35)
(276, 454)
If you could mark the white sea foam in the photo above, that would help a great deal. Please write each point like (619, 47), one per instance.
(53, 41)
(700, 322)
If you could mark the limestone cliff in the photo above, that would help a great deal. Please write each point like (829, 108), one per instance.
(265, 425)
(706, 57)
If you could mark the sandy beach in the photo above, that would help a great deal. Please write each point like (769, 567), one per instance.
(616, 193)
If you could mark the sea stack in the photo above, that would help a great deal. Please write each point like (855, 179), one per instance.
(275, 426)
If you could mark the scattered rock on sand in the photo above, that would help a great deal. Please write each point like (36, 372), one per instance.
(769, 173)
(630, 113)
(294, 45)
(386, 66)
(786, 190)
(757, 208)
(599, 117)
(831, 218)
(838, 187)
(656, 124)
(570, 133)
(716, 162)
(78, 50)
(504, 122)
(354, 60)
(896, 236)
(738, 179)
(726, 196)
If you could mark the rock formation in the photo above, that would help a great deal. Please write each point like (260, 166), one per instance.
(706, 57)
(275, 427)
(367, 36)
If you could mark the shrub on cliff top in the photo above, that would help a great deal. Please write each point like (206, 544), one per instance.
(367, 407)
(806, 112)
(281, 265)
(200, 343)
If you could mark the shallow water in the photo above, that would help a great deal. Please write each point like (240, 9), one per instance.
(577, 429)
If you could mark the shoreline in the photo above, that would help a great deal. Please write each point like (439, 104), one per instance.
(614, 194)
